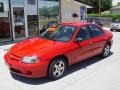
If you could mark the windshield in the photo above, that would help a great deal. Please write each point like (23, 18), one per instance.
(63, 33)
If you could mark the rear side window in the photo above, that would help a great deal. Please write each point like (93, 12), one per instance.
(95, 30)
(84, 33)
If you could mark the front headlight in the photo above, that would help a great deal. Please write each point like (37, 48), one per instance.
(30, 59)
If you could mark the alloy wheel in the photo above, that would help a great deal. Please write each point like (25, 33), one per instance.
(58, 68)
(106, 51)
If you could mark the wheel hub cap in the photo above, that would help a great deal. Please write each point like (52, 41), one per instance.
(107, 50)
(58, 68)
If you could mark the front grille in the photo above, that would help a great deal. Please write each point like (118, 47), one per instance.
(14, 57)
(20, 72)
(16, 70)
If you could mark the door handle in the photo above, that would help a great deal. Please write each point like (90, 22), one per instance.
(91, 43)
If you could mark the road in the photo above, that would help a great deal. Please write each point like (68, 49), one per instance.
(93, 74)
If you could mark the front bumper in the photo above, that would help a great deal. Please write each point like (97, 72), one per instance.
(27, 70)
(115, 28)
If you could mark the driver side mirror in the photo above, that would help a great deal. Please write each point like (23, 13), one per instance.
(77, 40)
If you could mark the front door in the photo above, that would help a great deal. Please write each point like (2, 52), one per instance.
(84, 48)
(18, 23)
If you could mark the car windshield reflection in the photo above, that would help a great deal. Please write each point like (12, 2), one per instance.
(63, 34)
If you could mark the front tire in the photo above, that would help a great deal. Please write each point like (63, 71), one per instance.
(57, 68)
(106, 51)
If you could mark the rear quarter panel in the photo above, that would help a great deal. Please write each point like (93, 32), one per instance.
(108, 36)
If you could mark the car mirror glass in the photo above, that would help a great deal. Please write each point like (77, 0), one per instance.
(78, 39)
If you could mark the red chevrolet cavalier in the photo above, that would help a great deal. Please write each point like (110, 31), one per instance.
(52, 53)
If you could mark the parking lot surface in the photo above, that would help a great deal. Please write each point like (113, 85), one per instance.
(93, 74)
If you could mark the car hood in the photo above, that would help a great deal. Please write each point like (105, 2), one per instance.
(32, 46)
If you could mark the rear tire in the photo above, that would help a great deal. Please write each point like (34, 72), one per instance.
(106, 51)
(57, 68)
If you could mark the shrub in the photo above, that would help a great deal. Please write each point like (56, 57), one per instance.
(113, 16)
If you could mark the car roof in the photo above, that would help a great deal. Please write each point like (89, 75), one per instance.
(75, 23)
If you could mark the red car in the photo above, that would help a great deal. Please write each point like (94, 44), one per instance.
(52, 53)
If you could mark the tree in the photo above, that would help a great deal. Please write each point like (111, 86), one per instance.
(104, 4)
(49, 11)
(53, 11)
(43, 11)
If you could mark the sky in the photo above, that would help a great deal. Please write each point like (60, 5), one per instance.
(115, 2)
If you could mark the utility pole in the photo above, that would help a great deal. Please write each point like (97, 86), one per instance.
(99, 6)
